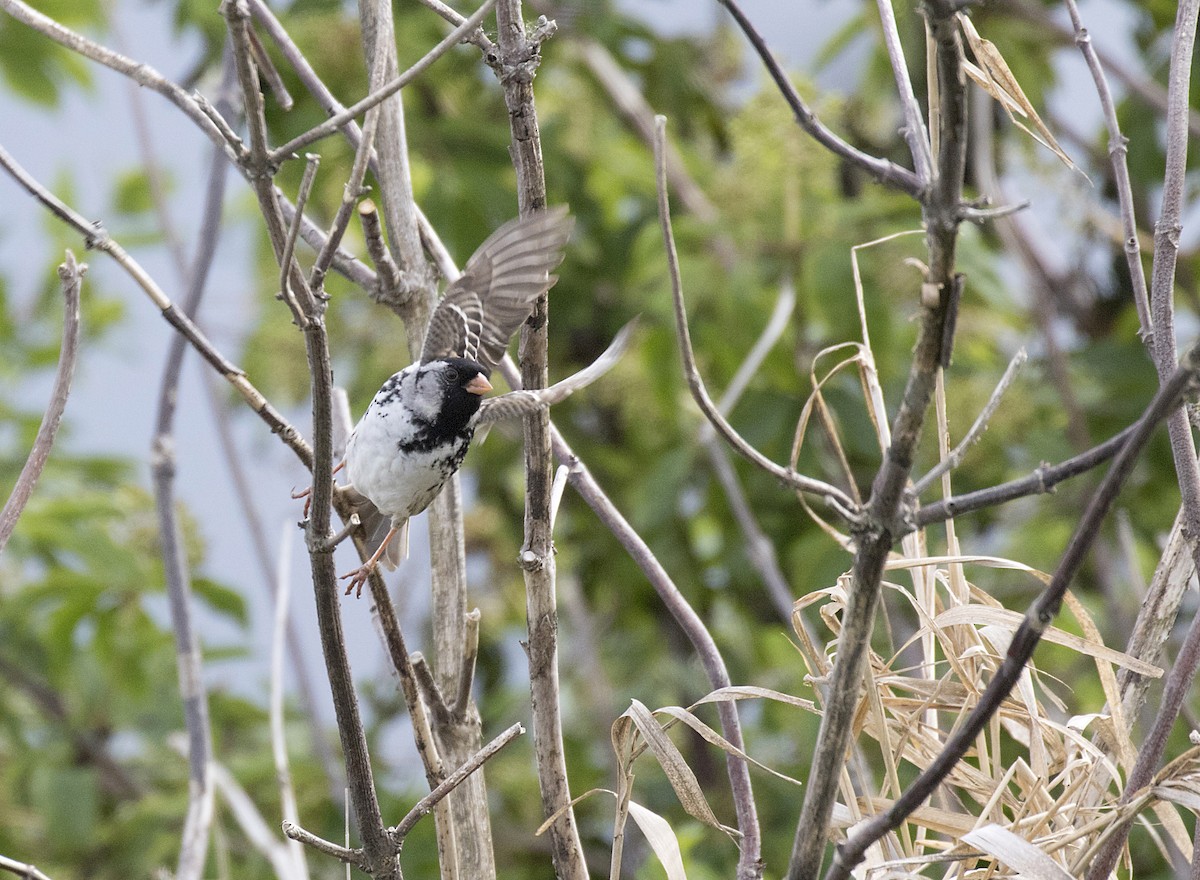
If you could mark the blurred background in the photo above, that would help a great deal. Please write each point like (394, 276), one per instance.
(86, 657)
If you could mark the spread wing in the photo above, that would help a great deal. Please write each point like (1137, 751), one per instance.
(519, 403)
(497, 291)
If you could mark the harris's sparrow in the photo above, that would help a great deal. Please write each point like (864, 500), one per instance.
(414, 435)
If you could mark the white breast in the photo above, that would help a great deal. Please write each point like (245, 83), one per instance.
(391, 458)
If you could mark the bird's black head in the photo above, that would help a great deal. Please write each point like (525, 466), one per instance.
(462, 383)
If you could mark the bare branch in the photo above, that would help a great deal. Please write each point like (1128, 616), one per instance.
(914, 130)
(331, 125)
(95, 237)
(22, 870)
(351, 192)
(880, 527)
(1183, 447)
(143, 74)
(1042, 480)
(354, 857)
(478, 37)
(425, 805)
(515, 67)
(466, 676)
(260, 835)
(955, 457)
(293, 229)
(1041, 613)
(194, 849)
(265, 66)
(1118, 151)
(385, 266)
(258, 166)
(71, 275)
(882, 170)
(839, 500)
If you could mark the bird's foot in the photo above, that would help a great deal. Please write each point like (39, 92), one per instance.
(307, 496)
(358, 577)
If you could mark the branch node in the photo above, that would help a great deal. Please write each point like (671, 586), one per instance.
(531, 561)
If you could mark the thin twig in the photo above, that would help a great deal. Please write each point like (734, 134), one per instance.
(425, 805)
(1040, 615)
(331, 125)
(352, 191)
(258, 165)
(466, 677)
(478, 37)
(915, 134)
(883, 170)
(95, 237)
(839, 500)
(193, 852)
(267, 68)
(1042, 480)
(431, 693)
(1118, 153)
(22, 870)
(955, 457)
(71, 275)
(385, 266)
(293, 229)
(781, 315)
(354, 857)
(260, 835)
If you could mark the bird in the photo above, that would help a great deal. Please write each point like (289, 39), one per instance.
(415, 434)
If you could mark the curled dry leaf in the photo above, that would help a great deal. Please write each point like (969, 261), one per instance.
(679, 774)
(994, 76)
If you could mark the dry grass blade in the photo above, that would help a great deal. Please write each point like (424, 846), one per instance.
(661, 838)
(711, 736)
(1016, 852)
(994, 76)
(679, 774)
(1009, 620)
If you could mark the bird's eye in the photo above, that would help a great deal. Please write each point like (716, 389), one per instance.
(452, 375)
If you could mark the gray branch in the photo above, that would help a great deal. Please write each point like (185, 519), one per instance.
(71, 275)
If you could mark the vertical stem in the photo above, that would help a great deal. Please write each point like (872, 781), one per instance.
(1183, 449)
(875, 536)
(517, 63)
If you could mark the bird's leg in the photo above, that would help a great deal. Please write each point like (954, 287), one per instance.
(307, 493)
(359, 576)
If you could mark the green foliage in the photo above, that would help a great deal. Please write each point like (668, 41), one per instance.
(82, 612)
(36, 69)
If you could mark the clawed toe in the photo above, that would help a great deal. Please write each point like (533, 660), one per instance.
(307, 496)
(358, 577)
